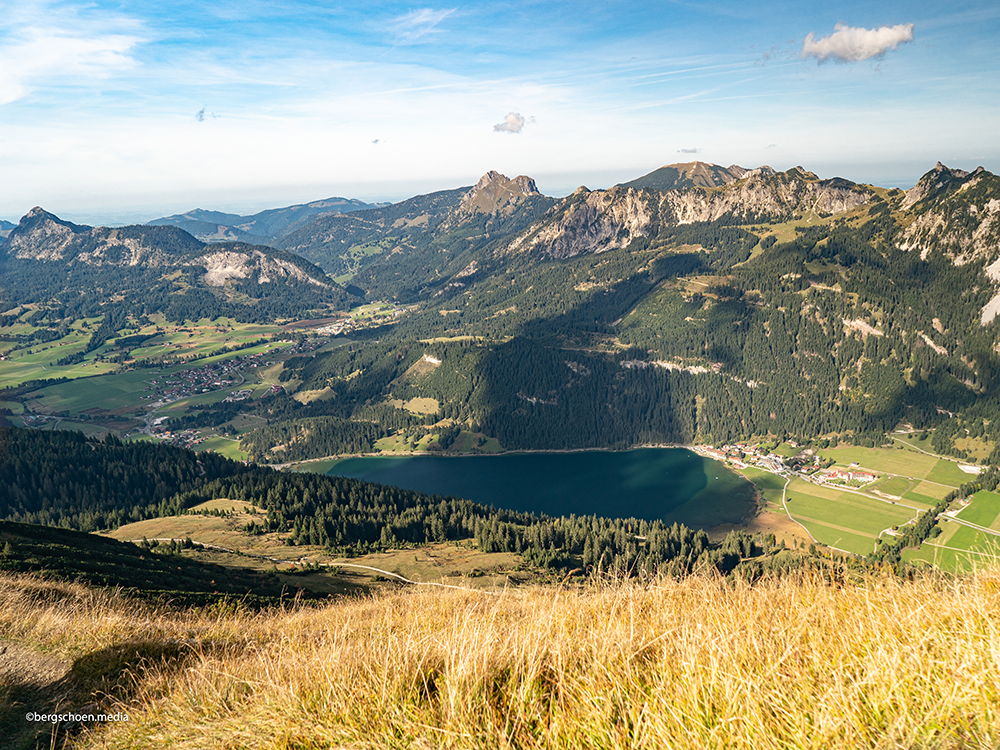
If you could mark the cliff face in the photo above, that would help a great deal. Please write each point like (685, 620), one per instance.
(41, 236)
(588, 222)
(954, 212)
(494, 195)
(250, 262)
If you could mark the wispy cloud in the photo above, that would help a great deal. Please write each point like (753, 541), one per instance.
(42, 44)
(418, 23)
(512, 123)
(854, 43)
(688, 150)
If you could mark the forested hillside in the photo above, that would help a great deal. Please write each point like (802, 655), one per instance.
(58, 478)
(774, 318)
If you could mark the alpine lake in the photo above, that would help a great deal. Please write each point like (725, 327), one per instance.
(669, 484)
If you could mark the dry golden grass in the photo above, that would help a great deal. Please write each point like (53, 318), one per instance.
(698, 663)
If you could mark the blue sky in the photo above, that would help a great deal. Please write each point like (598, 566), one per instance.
(133, 109)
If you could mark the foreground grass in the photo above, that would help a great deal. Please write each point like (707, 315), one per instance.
(699, 663)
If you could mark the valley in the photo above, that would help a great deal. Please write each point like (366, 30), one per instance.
(697, 305)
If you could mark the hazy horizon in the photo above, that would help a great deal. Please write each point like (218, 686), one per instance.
(555, 186)
(137, 109)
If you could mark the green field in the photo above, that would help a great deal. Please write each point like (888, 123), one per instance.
(907, 463)
(897, 486)
(983, 509)
(841, 519)
(126, 391)
(947, 472)
(785, 450)
(107, 392)
(923, 501)
(223, 446)
(36, 362)
(890, 460)
(958, 548)
(770, 485)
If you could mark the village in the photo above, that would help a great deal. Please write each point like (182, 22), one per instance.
(807, 464)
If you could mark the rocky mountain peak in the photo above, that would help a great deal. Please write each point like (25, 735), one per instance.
(593, 222)
(496, 192)
(939, 179)
(761, 171)
(41, 236)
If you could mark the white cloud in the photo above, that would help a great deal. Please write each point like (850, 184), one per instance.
(512, 123)
(688, 150)
(44, 46)
(853, 43)
(417, 23)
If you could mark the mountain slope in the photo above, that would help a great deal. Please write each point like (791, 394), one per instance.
(778, 304)
(410, 249)
(46, 259)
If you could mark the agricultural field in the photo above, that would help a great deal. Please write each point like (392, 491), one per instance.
(845, 520)
(770, 485)
(906, 463)
(982, 510)
(126, 392)
(958, 548)
(117, 393)
(913, 491)
(37, 361)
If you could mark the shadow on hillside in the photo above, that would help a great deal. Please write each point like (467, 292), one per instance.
(94, 684)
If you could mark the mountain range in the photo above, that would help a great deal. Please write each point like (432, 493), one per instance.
(773, 302)
(155, 268)
(258, 228)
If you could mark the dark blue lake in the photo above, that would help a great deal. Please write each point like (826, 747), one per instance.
(671, 484)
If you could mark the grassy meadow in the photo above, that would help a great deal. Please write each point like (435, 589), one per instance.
(698, 663)
(446, 562)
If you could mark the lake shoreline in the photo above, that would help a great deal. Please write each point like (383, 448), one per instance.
(668, 482)
(517, 452)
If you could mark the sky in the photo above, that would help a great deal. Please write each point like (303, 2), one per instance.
(114, 112)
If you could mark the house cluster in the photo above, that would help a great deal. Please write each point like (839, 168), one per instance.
(335, 329)
(852, 477)
(197, 380)
(241, 395)
(742, 455)
(181, 439)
